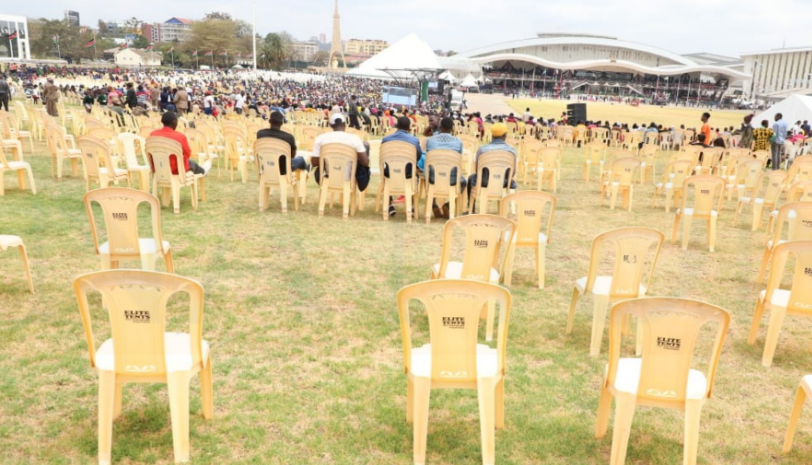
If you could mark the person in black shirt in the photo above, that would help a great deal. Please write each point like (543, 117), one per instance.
(276, 132)
(131, 100)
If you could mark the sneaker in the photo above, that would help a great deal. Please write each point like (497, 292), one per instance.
(400, 199)
(392, 211)
(446, 212)
(207, 166)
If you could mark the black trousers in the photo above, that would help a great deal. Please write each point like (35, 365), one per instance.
(4, 101)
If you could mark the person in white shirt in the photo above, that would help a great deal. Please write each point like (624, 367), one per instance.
(208, 103)
(527, 115)
(338, 136)
(239, 102)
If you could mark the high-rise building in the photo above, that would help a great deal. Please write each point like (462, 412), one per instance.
(778, 73)
(322, 38)
(365, 47)
(175, 29)
(72, 17)
(152, 32)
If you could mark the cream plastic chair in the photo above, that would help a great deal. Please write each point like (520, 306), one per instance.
(120, 212)
(795, 301)
(199, 143)
(501, 170)
(141, 351)
(110, 137)
(470, 145)
(268, 151)
(7, 241)
(452, 359)
(236, 148)
(595, 154)
(11, 130)
(399, 157)
(745, 180)
(672, 183)
(443, 163)
(531, 162)
(631, 249)
(550, 167)
(648, 162)
(60, 151)
(663, 376)
(800, 191)
(801, 170)
(488, 238)
(797, 216)
(804, 391)
(768, 189)
(98, 164)
(131, 145)
(620, 180)
(532, 231)
(20, 167)
(341, 162)
(708, 193)
(305, 148)
(159, 152)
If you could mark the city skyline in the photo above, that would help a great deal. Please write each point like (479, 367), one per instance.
(727, 27)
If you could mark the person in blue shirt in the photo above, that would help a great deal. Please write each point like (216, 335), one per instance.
(780, 129)
(402, 134)
(499, 133)
(444, 140)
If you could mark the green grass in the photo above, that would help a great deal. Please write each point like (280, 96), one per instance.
(301, 315)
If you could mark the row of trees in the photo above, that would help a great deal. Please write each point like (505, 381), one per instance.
(217, 32)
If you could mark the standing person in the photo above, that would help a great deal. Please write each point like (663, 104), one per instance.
(5, 91)
(277, 119)
(780, 129)
(130, 99)
(239, 102)
(761, 137)
(182, 100)
(155, 95)
(208, 103)
(706, 129)
(747, 132)
(170, 122)
(51, 96)
(527, 116)
(353, 112)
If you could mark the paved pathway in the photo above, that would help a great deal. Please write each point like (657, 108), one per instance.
(487, 104)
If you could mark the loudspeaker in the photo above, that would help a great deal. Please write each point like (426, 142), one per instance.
(576, 112)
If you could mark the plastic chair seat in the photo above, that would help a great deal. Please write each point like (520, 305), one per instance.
(146, 245)
(117, 172)
(542, 238)
(18, 165)
(602, 286)
(486, 361)
(7, 241)
(780, 297)
(690, 212)
(178, 353)
(454, 271)
(668, 185)
(628, 379)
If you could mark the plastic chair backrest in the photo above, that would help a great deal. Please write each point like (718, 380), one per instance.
(631, 248)
(801, 169)
(341, 161)
(500, 165)
(398, 156)
(550, 157)
(623, 170)
(797, 216)
(128, 143)
(159, 151)
(800, 298)
(309, 135)
(484, 241)
(136, 307)
(708, 194)
(104, 134)
(453, 307)
(772, 184)
(120, 212)
(595, 151)
(676, 172)
(268, 151)
(95, 154)
(443, 163)
(532, 151)
(671, 328)
(748, 173)
(531, 209)
(800, 191)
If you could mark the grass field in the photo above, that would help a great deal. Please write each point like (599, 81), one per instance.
(622, 113)
(301, 315)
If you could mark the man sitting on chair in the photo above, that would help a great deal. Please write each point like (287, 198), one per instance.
(277, 120)
(338, 136)
(499, 132)
(444, 140)
(170, 122)
(402, 134)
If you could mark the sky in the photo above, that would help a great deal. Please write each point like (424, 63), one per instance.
(726, 27)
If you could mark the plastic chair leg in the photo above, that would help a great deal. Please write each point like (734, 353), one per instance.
(490, 320)
(669, 195)
(509, 262)
(624, 414)
(604, 409)
(712, 233)
(178, 385)
(614, 189)
(206, 393)
(601, 306)
(176, 198)
(541, 263)
(107, 387)
(148, 261)
(170, 264)
(757, 315)
(757, 212)
(409, 400)
(571, 317)
(686, 230)
(763, 269)
(777, 315)
(420, 415)
(800, 400)
(118, 400)
(27, 268)
(693, 413)
(347, 198)
(500, 404)
(486, 389)
(283, 193)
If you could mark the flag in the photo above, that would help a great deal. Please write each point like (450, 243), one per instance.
(194, 54)
(91, 43)
(12, 36)
(148, 48)
(171, 49)
(123, 46)
(223, 53)
(209, 53)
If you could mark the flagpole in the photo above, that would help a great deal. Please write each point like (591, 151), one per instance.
(254, 35)
(172, 51)
(94, 47)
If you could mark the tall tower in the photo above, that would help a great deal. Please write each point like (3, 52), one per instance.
(336, 48)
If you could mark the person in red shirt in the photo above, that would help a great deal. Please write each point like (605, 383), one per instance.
(170, 122)
(706, 130)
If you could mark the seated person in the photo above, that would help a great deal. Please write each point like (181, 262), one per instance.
(276, 132)
(403, 134)
(170, 122)
(499, 132)
(339, 136)
(444, 140)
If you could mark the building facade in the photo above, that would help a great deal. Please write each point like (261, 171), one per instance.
(136, 58)
(365, 47)
(152, 32)
(72, 17)
(14, 47)
(776, 74)
(305, 51)
(175, 29)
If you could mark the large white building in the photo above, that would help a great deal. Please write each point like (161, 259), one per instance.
(137, 58)
(305, 51)
(776, 74)
(16, 47)
(365, 47)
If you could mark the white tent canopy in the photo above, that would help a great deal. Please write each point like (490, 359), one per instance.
(469, 81)
(409, 53)
(793, 108)
(447, 76)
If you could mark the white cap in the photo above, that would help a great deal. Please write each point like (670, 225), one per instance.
(336, 118)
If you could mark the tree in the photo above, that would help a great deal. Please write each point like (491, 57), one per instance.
(244, 29)
(140, 42)
(133, 26)
(218, 15)
(102, 28)
(42, 39)
(275, 50)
